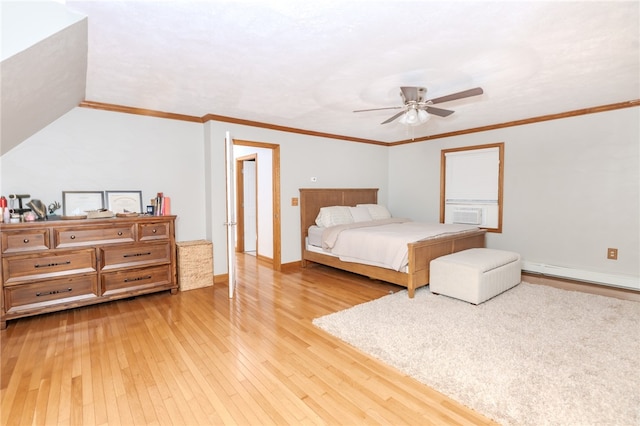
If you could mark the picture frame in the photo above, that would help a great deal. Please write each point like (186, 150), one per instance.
(119, 201)
(77, 203)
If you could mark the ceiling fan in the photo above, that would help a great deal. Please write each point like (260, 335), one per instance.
(415, 108)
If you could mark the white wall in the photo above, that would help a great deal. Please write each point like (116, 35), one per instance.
(571, 190)
(92, 150)
(571, 186)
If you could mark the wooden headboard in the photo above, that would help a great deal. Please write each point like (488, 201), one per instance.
(312, 199)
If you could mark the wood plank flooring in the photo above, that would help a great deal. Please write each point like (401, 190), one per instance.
(198, 358)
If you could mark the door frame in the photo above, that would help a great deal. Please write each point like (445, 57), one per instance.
(275, 200)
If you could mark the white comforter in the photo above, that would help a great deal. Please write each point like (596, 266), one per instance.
(383, 242)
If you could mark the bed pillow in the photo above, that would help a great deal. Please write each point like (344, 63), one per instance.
(334, 215)
(360, 214)
(377, 211)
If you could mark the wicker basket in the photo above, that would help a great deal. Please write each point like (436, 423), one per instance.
(195, 264)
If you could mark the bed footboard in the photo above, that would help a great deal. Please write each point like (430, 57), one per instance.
(421, 253)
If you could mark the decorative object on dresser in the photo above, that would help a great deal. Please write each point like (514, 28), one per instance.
(55, 265)
(4, 209)
(76, 203)
(124, 201)
(419, 253)
(161, 205)
(38, 208)
(53, 207)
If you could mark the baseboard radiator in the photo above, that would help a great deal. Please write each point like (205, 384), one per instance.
(624, 281)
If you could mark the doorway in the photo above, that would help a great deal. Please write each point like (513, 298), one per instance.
(246, 205)
(267, 199)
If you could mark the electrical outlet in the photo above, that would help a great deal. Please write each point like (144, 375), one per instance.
(612, 253)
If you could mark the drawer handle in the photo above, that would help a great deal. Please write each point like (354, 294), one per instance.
(146, 277)
(120, 233)
(49, 265)
(26, 241)
(54, 292)
(73, 237)
(137, 254)
(154, 230)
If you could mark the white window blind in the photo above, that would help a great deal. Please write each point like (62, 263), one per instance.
(472, 176)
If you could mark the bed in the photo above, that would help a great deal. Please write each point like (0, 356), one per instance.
(420, 253)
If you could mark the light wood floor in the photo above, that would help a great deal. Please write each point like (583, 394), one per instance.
(198, 358)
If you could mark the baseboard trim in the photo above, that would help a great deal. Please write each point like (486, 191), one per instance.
(221, 279)
(585, 287)
(291, 266)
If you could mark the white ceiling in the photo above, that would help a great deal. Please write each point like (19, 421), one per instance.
(309, 64)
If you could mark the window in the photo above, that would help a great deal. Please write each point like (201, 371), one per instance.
(471, 186)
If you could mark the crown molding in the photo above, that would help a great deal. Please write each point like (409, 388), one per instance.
(574, 113)
(139, 111)
(225, 119)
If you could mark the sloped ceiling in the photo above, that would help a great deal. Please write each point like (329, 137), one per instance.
(309, 64)
(43, 68)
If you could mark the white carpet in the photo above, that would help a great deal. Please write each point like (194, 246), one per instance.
(535, 355)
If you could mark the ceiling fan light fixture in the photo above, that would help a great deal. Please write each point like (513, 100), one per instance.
(411, 117)
(423, 116)
(414, 117)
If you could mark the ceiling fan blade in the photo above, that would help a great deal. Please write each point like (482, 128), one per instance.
(390, 119)
(378, 109)
(459, 95)
(438, 111)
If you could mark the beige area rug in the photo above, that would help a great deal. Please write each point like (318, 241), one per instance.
(535, 355)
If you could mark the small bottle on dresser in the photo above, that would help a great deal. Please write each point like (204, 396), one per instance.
(4, 217)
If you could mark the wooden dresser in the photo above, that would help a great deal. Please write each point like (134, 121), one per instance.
(61, 264)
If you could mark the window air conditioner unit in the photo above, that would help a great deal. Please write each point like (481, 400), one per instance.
(467, 215)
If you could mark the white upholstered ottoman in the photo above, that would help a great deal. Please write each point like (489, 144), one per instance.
(474, 275)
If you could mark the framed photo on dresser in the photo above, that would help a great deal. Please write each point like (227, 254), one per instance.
(124, 201)
(76, 203)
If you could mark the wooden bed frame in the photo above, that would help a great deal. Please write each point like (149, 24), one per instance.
(420, 253)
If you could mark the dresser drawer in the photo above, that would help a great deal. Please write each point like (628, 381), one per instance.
(105, 234)
(23, 241)
(49, 265)
(153, 231)
(135, 280)
(52, 292)
(134, 255)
